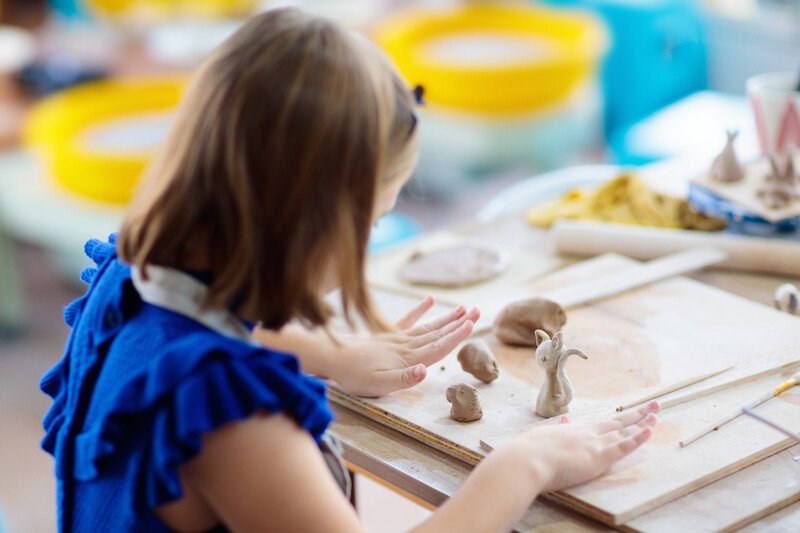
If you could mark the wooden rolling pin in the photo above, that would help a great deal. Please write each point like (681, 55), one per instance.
(749, 254)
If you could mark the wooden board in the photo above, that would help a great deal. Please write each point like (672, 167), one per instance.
(733, 501)
(649, 337)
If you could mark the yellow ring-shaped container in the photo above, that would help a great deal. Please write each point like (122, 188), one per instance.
(209, 8)
(58, 125)
(575, 43)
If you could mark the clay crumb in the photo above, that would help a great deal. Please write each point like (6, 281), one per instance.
(465, 406)
(477, 359)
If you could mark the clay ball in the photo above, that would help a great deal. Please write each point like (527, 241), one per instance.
(477, 359)
(786, 298)
(518, 321)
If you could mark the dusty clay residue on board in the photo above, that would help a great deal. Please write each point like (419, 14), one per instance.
(454, 266)
(518, 321)
(409, 396)
(477, 359)
(465, 406)
(621, 478)
(623, 360)
(666, 432)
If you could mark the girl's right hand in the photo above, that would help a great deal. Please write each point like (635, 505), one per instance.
(543, 459)
(568, 454)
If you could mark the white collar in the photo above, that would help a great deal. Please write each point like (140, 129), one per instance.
(179, 292)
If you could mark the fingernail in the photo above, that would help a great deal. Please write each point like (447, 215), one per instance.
(418, 370)
(564, 420)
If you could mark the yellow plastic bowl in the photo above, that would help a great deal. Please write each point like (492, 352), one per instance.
(210, 8)
(58, 126)
(495, 59)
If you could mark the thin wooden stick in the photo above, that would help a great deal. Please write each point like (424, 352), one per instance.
(728, 384)
(788, 384)
(672, 387)
(771, 424)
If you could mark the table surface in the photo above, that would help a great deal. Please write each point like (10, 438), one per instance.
(429, 477)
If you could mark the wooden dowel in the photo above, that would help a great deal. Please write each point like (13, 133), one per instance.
(789, 383)
(671, 402)
(666, 389)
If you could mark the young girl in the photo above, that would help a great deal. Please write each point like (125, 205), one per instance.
(294, 137)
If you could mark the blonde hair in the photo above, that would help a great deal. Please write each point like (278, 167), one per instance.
(281, 145)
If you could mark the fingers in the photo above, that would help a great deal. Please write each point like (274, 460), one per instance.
(625, 445)
(401, 378)
(628, 417)
(432, 336)
(434, 351)
(440, 322)
(416, 313)
(648, 420)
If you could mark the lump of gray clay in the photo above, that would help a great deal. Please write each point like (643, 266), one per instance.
(477, 359)
(454, 266)
(465, 406)
(517, 322)
(556, 391)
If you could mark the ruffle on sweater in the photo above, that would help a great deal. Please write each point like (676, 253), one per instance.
(154, 420)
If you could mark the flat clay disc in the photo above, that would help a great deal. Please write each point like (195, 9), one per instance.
(455, 266)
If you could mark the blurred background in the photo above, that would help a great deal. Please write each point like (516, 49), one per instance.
(513, 89)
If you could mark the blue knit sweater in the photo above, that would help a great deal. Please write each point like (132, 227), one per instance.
(137, 387)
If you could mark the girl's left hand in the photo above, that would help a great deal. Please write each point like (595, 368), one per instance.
(377, 364)
(374, 364)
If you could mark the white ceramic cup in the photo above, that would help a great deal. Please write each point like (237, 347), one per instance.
(776, 109)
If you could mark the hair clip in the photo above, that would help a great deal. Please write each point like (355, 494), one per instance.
(418, 91)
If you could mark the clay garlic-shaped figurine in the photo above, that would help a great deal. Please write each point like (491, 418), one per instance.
(477, 359)
(779, 189)
(726, 167)
(556, 392)
(465, 405)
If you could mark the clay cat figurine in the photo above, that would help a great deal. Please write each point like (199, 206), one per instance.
(556, 392)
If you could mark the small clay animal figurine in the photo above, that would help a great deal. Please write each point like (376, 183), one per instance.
(556, 392)
(779, 189)
(465, 406)
(726, 167)
(477, 359)
(787, 299)
(518, 320)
